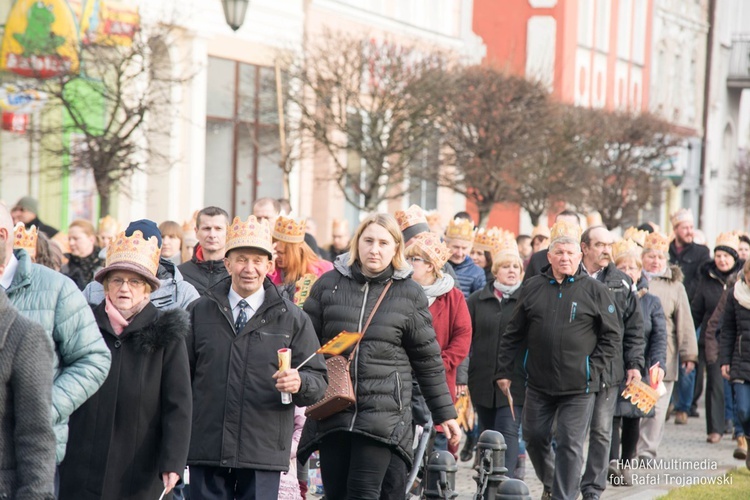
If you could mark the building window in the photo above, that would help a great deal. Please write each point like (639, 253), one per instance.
(423, 190)
(242, 136)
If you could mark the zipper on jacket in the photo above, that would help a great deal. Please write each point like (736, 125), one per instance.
(398, 388)
(356, 354)
(588, 375)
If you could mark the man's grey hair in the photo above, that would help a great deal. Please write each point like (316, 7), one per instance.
(564, 240)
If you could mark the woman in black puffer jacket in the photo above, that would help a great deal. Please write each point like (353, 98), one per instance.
(714, 276)
(734, 361)
(357, 445)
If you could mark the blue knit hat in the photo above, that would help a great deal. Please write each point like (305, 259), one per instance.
(145, 226)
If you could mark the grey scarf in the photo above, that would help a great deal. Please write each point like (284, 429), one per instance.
(506, 290)
(440, 287)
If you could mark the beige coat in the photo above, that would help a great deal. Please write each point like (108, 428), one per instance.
(681, 341)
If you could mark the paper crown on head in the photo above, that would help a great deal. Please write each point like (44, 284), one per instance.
(460, 229)
(488, 240)
(540, 230)
(25, 238)
(635, 234)
(133, 253)
(189, 225)
(437, 251)
(433, 218)
(410, 217)
(625, 248)
(507, 247)
(289, 231)
(680, 216)
(564, 229)
(249, 234)
(109, 224)
(729, 240)
(657, 241)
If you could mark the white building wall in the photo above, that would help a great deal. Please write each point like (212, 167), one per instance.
(728, 122)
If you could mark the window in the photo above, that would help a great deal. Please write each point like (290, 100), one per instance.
(424, 190)
(242, 136)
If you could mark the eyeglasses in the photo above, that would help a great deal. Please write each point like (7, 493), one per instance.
(134, 283)
(414, 259)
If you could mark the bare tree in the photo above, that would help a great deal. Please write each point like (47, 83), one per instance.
(491, 131)
(555, 170)
(624, 165)
(111, 110)
(371, 105)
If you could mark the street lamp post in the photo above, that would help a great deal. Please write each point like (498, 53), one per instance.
(234, 12)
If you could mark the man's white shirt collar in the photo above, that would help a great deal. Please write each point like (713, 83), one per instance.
(10, 272)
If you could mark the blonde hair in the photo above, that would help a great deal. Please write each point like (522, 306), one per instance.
(85, 226)
(504, 260)
(630, 255)
(387, 222)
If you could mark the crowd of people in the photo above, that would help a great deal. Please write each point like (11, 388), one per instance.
(132, 354)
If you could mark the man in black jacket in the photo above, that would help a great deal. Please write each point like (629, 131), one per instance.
(596, 245)
(25, 210)
(571, 326)
(242, 432)
(206, 268)
(689, 256)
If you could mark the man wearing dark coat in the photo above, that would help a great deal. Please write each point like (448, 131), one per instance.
(242, 431)
(570, 323)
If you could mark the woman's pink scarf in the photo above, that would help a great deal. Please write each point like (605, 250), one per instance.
(121, 319)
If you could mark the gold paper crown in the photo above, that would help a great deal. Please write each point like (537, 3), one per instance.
(289, 231)
(507, 247)
(25, 239)
(540, 231)
(437, 251)
(109, 224)
(680, 216)
(410, 217)
(433, 218)
(657, 241)
(253, 234)
(641, 395)
(189, 225)
(488, 240)
(625, 247)
(730, 240)
(460, 229)
(564, 229)
(135, 249)
(635, 234)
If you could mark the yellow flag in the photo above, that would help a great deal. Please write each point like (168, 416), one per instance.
(340, 343)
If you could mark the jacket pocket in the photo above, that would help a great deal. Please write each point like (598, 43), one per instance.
(399, 386)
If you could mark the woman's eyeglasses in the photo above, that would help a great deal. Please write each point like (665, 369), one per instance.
(134, 283)
(414, 259)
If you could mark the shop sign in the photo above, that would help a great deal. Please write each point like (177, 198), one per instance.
(106, 23)
(40, 40)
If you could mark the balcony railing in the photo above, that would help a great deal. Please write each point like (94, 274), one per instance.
(739, 62)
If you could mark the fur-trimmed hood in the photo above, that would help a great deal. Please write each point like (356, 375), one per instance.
(151, 329)
(672, 274)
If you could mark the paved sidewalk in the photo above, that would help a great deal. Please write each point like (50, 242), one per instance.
(681, 443)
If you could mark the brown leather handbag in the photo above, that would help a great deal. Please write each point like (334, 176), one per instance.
(340, 392)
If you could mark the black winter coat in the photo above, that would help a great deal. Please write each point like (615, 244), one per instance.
(734, 339)
(654, 328)
(711, 285)
(203, 274)
(238, 418)
(572, 331)
(690, 260)
(400, 338)
(137, 425)
(631, 346)
(489, 319)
